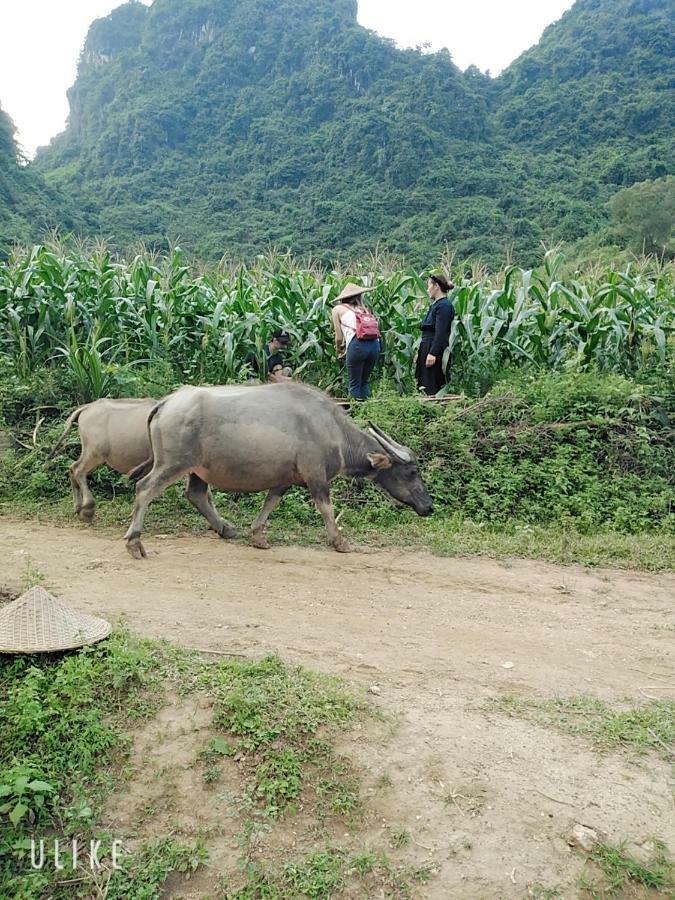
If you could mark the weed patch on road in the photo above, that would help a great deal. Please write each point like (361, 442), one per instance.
(649, 727)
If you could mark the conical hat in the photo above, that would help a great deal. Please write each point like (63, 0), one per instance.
(351, 290)
(39, 623)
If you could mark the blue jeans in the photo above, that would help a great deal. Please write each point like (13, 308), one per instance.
(361, 359)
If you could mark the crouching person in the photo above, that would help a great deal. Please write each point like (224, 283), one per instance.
(274, 368)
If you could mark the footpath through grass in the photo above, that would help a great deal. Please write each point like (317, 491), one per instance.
(297, 522)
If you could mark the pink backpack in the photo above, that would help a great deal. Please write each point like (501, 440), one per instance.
(367, 328)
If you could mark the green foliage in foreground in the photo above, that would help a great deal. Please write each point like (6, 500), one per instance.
(281, 718)
(319, 875)
(143, 876)
(61, 736)
(97, 319)
(62, 748)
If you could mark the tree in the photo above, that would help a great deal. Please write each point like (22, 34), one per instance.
(645, 215)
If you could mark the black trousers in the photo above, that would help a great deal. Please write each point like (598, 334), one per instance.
(430, 379)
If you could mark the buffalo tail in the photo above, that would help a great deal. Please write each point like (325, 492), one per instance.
(146, 467)
(71, 420)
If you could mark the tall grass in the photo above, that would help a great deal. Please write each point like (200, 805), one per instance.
(96, 313)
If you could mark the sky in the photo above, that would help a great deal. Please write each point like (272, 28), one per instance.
(40, 41)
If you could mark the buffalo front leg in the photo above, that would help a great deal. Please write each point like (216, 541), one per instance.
(321, 497)
(272, 500)
(147, 489)
(199, 494)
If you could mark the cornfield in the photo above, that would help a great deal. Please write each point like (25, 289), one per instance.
(100, 316)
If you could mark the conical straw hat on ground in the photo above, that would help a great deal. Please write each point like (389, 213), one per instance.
(39, 623)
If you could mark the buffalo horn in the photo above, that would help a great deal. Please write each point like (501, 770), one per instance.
(390, 445)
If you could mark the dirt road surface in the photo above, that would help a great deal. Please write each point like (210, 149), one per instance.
(488, 799)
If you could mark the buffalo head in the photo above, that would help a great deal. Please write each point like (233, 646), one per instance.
(396, 471)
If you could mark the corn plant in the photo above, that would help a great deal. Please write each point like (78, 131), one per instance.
(96, 314)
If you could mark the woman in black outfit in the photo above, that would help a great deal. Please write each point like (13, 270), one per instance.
(429, 371)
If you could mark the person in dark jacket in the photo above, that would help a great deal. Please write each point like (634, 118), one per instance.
(430, 372)
(275, 368)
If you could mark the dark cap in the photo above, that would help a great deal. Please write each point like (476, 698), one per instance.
(282, 336)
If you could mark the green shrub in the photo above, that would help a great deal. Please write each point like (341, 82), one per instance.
(544, 448)
(59, 731)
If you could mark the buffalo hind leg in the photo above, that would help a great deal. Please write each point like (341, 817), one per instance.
(147, 489)
(321, 497)
(82, 496)
(199, 494)
(272, 500)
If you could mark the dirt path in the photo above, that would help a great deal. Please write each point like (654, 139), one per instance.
(488, 798)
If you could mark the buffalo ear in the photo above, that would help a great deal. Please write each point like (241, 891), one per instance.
(379, 460)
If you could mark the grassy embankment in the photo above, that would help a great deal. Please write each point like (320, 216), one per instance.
(571, 468)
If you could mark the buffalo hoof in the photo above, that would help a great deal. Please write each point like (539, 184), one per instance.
(342, 545)
(136, 549)
(86, 514)
(227, 531)
(259, 540)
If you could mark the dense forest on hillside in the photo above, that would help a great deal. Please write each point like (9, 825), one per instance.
(235, 124)
(28, 205)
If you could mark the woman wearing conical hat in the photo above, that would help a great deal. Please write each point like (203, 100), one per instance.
(357, 338)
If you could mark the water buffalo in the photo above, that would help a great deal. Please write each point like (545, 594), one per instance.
(114, 432)
(269, 437)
